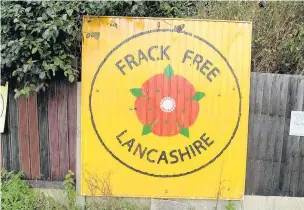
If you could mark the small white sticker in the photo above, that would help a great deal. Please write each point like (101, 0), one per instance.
(297, 123)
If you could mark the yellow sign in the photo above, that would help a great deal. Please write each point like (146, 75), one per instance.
(164, 107)
(3, 103)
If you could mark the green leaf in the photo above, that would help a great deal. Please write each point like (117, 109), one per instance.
(49, 11)
(71, 78)
(64, 17)
(28, 9)
(184, 131)
(169, 71)
(44, 16)
(198, 96)
(46, 33)
(136, 92)
(146, 129)
(34, 50)
(58, 22)
(42, 75)
(70, 12)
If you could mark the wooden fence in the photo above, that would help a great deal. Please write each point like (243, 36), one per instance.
(275, 160)
(40, 136)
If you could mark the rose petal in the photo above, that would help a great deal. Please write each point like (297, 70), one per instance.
(187, 112)
(164, 126)
(180, 88)
(156, 87)
(145, 109)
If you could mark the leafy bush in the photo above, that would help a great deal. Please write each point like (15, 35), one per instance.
(278, 32)
(42, 39)
(15, 193)
(38, 39)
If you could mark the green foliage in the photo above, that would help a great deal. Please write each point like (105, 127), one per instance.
(41, 39)
(136, 92)
(146, 129)
(38, 40)
(230, 206)
(70, 189)
(278, 32)
(15, 193)
(198, 96)
(168, 71)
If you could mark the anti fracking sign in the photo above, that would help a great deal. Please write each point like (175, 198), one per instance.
(165, 109)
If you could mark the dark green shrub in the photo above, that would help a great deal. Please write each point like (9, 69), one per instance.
(40, 39)
(15, 193)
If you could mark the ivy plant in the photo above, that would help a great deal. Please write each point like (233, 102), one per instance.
(38, 40)
(41, 40)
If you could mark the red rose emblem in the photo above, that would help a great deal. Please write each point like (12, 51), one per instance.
(167, 104)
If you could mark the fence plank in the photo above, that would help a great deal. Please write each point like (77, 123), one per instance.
(284, 175)
(257, 132)
(5, 143)
(13, 130)
(34, 136)
(24, 136)
(273, 127)
(295, 144)
(251, 139)
(265, 134)
(280, 92)
(72, 123)
(5, 151)
(300, 192)
(291, 150)
(42, 99)
(53, 132)
(63, 128)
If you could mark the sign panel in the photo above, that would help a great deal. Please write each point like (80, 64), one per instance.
(164, 107)
(3, 103)
(297, 123)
